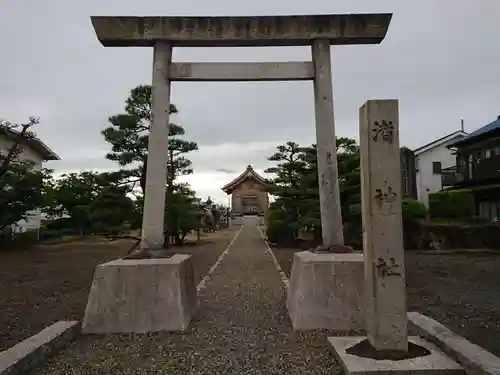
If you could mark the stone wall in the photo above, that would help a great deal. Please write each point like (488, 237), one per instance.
(453, 236)
(434, 236)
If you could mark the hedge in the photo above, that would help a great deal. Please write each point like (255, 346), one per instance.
(411, 209)
(278, 230)
(452, 204)
(414, 209)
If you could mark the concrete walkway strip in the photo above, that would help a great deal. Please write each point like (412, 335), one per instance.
(203, 283)
(475, 359)
(28, 354)
(283, 277)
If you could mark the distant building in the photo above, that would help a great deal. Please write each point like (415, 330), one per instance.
(477, 167)
(37, 152)
(248, 194)
(430, 160)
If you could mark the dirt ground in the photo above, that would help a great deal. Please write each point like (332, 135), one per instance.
(51, 282)
(458, 289)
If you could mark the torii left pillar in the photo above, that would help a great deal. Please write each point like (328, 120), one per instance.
(149, 291)
(328, 178)
(153, 223)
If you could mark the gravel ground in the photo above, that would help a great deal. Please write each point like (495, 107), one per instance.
(51, 282)
(242, 328)
(458, 289)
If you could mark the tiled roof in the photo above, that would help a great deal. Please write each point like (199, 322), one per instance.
(439, 141)
(35, 143)
(492, 126)
(249, 173)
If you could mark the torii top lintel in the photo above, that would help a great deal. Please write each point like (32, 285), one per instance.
(298, 30)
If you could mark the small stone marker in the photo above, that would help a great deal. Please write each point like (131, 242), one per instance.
(386, 321)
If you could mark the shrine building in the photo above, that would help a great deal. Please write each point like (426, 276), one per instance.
(248, 194)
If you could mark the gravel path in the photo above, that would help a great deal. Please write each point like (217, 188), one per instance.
(242, 328)
(51, 282)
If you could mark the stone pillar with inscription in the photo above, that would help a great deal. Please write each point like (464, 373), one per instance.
(385, 296)
(387, 347)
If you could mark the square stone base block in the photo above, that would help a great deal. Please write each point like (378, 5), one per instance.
(326, 291)
(141, 295)
(434, 363)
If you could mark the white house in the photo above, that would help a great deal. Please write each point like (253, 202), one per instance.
(35, 151)
(430, 159)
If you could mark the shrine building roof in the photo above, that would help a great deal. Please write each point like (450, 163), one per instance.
(248, 174)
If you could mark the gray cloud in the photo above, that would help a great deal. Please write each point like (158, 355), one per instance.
(439, 58)
(224, 170)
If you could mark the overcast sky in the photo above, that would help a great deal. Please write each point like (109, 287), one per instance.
(440, 59)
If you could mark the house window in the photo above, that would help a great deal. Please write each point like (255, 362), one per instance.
(436, 167)
(487, 154)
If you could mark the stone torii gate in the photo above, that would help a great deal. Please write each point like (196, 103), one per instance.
(145, 295)
(124, 287)
(164, 33)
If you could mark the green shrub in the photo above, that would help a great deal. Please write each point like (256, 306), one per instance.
(413, 212)
(411, 209)
(352, 226)
(414, 209)
(278, 231)
(354, 210)
(452, 204)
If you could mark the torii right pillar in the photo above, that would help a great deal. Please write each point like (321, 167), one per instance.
(326, 288)
(326, 284)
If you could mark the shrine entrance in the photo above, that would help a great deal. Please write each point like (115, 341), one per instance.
(251, 205)
(249, 194)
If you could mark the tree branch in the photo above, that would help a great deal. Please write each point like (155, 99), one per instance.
(19, 137)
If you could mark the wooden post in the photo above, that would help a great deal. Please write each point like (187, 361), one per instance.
(156, 171)
(329, 195)
(386, 320)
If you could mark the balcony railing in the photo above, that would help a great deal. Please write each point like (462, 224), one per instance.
(451, 177)
(485, 170)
